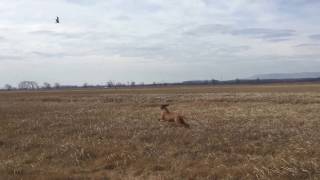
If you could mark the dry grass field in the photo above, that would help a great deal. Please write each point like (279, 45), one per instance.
(237, 132)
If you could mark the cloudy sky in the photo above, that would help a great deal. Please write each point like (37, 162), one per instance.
(155, 40)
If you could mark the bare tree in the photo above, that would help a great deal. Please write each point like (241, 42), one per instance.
(46, 85)
(213, 81)
(110, 84)
(85, 85)
(8, 87)
(57, 85)
(28, 85)
(133, 84)
(119, 84)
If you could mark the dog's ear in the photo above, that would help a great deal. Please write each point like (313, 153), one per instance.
(164, 106)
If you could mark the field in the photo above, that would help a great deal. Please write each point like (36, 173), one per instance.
(237, 132)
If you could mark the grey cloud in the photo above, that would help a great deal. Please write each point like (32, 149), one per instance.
(264, 33)
(305, 10)
(82, 2)
(290, 5)
(183, 51)
(59, 34)
(315, 36)
(209, 29)
(10, 57)
(233, 49)
(258, 33)
(49, 55)
(208, 2)
(308, 45)
(89, 35)
(136, 30)
(279, 39)
(297, 2)
(144, 6)
(60, 54)
(122, 18)
(171, 45)
(301, 57)
(150, 52)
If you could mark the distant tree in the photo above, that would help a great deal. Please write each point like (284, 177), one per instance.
(213, 81)
(46, 85)
(23, 85)
(85, 85)
(132, 84)
(28, 85)
(110, 84)
(8, 87)
(57, 85)
(119, 84)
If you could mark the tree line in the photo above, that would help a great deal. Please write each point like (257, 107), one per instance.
(32, 85)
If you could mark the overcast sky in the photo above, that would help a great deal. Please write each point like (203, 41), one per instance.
(155, 40)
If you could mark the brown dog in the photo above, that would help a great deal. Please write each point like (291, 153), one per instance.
(166, 115)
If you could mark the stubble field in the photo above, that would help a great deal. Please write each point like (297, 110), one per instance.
(237, 132)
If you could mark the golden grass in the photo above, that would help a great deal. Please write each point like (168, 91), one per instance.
(237, 132)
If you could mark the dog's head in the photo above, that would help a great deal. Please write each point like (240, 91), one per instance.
(163, 106)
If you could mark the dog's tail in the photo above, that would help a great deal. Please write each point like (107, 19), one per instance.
(182, 122)
(186, 125)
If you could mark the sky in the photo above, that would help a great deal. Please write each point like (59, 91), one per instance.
(155, 40)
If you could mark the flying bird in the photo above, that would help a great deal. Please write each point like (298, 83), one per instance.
(57, 20)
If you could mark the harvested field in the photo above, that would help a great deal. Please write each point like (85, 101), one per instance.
(237, 132)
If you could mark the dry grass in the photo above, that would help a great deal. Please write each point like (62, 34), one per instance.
(237, 132)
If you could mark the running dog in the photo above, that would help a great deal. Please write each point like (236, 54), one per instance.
(168, 116)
